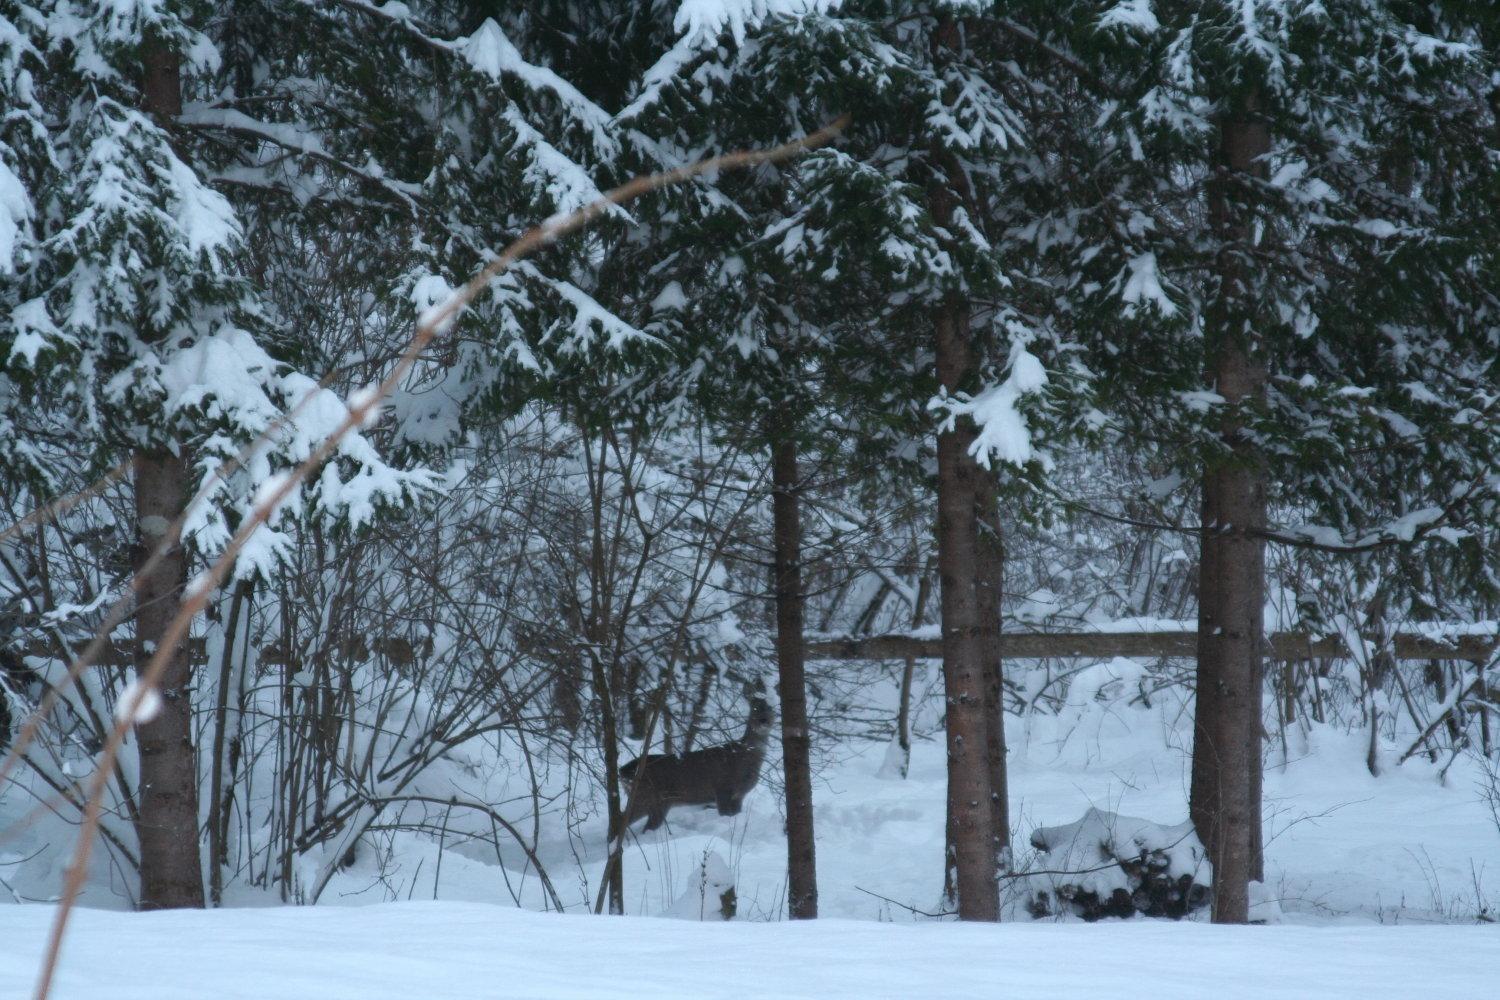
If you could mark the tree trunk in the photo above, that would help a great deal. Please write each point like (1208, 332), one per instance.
(218, 816)
(908, 669)
(989, 586)
(970, 873)
(1225, 800)
(971, 826)
(596, 632)
(171, 873)
(167, 823)
(802, 878)
(614, 810)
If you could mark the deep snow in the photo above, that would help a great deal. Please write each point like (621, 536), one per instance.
(1341, 844)
(466, 951)
(1379, 882)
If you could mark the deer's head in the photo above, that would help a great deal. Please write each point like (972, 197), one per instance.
(762, 718)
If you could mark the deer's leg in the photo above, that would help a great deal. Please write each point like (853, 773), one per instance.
(658, 817)
(639, 805)
(728, 801)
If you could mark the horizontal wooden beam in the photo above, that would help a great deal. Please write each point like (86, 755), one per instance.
(1150, 645)
(394, 648)
(1013, 646)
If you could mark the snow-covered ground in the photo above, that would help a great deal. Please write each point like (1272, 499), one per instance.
(465, 951)
(1382, 885)
(1341, 845)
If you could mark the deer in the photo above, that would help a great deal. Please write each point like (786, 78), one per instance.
(719, 775)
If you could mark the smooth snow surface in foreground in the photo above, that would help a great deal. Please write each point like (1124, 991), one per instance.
(468, 951)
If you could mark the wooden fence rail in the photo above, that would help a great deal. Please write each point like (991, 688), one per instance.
(1101, 645)
(1013, 645)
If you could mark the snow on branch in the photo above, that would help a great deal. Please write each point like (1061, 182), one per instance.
(1130, 15)
(301, 142)
(490, 52)
(228, 381)
(15, 214)
(589, 315)
(701, 23)
(995, 410)
(568, 186)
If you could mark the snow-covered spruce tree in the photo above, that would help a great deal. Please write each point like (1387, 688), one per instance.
(651, 273)
(865, 279)
(754, 331)
(425, 127)
(25, 155)
(134, 323)
(25, 158)
(588, 344)
(619, 406)
(134, 277)
(1285, 225)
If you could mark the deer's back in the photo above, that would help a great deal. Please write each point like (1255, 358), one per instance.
(697, 775)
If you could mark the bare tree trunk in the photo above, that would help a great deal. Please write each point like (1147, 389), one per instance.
(596, 632)
(971, 825)
(989, 585)
(171, 875)
(218, 816)
(613, 876)
(1225, 800)
(908, 669)
(802, 877)
(567, 702)
(970, 872)
(706, 675)
(1376, 673)
(167, 823)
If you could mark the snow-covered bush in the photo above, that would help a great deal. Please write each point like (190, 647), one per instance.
(1108, 865)
(711, 896)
